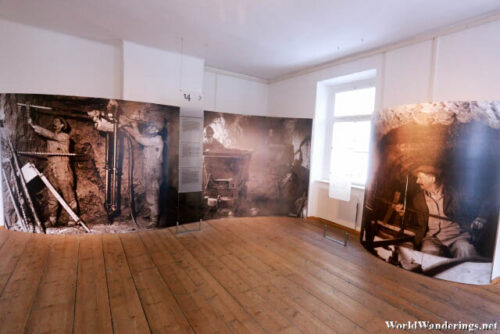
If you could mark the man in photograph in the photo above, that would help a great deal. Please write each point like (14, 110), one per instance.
(152, 141)
(59, 170)
(442, 228)
(210, 144)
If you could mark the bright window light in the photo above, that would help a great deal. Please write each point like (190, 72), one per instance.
(355, 102)
(350, 149)
(351, 135)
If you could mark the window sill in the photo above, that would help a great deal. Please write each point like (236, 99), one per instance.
(355, 186)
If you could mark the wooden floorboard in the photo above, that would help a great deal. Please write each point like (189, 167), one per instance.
(126, 310)
(337, 276)
(11, 251)
(239, 284)
(190, 290)
(22, 286)
(307, 285)
(422, 291)
(162, 311)
(53, 309)
(92, 310)
(244, 275)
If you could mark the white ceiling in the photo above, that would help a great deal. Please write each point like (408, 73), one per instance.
(261, 38)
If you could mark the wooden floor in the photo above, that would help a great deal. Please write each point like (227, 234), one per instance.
(246, 275)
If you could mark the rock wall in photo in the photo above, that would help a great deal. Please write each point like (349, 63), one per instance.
(255, 166)
(433, 194)
(73, 159)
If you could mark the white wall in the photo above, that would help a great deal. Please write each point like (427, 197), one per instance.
(407, 75)
(468, 64)
(296, 97)
(229, 92)
(158, 76)
(463, 65)
(334, 210)
(153, 75)
(33, 60)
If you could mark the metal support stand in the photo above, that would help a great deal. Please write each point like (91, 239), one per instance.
(37, 227)
(177, 232)
(29, 171)
(63, 203)
(343, 243)
(17, 209)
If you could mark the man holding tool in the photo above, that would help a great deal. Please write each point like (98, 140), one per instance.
(60, 173)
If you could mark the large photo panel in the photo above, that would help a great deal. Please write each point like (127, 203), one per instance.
(433, 196)
(88, 165)
(255, 165)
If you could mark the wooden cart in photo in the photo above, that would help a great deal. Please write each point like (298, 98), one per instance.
(225, 176)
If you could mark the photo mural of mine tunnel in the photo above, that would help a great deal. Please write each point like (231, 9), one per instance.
(80, 165)
(433, 194)
(254, 165)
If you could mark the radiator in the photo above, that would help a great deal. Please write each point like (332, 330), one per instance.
(346, 213)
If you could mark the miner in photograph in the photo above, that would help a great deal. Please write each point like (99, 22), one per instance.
(152, 141)
(104, 120)
(443, 226)
(210, 144)
(59, 170)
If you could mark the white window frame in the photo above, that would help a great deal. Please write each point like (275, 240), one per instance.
(331, 119)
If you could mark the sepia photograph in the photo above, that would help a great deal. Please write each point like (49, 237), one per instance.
(433, 196)
(88, 165)
(255, 166)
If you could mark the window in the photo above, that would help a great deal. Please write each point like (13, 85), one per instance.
(352, 110)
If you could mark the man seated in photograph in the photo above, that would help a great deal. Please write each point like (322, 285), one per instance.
(210, 144)
(441, 230)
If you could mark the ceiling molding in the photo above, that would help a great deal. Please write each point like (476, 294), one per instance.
(467, 24)
(235, 75)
